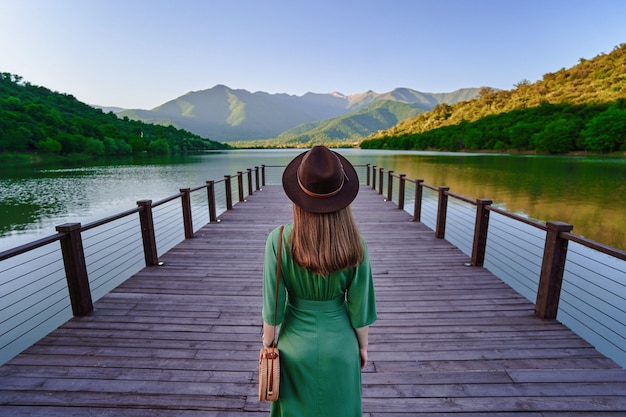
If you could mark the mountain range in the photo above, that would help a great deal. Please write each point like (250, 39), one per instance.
(225, 114)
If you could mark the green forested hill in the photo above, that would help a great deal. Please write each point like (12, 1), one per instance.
(581, 108)
(35, 119)
(349, 129)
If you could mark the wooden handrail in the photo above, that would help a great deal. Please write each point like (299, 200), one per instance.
(608, 250)
(461, 198)
(519, 218)
(27, 247)
(70, 235)
(109, 219)
(555, 249)
(167, 200)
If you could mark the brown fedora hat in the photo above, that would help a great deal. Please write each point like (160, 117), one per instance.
(320, 181)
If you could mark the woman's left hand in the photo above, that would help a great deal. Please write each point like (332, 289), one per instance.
(363, 354)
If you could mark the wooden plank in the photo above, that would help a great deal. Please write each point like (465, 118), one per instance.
(182, 339)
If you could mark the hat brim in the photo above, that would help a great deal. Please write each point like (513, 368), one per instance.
(320, 205)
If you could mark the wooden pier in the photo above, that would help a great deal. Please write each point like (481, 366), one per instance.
(182, 339)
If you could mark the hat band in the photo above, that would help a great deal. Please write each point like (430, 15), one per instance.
(316, 195)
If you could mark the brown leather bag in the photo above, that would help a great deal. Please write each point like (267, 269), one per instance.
(269, 374)
(269, 357)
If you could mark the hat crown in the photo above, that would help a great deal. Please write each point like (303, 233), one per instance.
(320, 173)
(320, 181)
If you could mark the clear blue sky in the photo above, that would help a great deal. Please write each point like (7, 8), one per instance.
(142, 53)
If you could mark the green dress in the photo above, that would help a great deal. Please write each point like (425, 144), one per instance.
(319, 353)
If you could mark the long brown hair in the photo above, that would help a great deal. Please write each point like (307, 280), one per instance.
(325, 242)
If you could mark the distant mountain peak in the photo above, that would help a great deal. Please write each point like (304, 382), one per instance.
(337, 94)
(225, 114)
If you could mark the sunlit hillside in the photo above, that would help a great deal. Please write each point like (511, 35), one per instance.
(586, 100)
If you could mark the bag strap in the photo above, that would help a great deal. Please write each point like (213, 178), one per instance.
(278, 257)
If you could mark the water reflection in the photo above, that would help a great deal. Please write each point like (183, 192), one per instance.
(587, 192)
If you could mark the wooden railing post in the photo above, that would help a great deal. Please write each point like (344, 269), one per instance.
(240, 185)
(210, 190)
(442, 212)
(75, 269)
(552, 267)
(367, 173)
(390, 186)
(374, 177)
(262, 175)
(256, 178)
(480, 231)
(417, 207)
(228, 192)
(249, 181)
(147, 232)
(187, 219)
(401, 188)
(380, 179)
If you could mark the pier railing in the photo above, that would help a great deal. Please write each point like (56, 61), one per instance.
(578, 281)
(544, 262)
(92, 259)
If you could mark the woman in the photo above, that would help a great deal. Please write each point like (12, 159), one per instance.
(326, 294)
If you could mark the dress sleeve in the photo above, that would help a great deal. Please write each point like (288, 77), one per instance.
(361, 300)
(269, 281)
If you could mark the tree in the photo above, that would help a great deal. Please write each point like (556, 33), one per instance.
(441, 111)
(49, 145)
(94, 147)
(159, 147)
(123, 148)
(474, 139)
(606, 131)
(137, 143)
(71, 143)
(520, 134)
(559, 136)
(110, 146)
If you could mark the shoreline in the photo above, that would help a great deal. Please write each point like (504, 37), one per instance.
(29, 159)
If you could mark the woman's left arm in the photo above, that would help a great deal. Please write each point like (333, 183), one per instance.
(362, 335)
(269, 334)
(270, 309)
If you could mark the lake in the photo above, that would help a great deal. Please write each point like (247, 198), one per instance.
(586, 192)
(589, 193)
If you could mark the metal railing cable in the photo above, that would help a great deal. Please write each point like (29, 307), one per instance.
(516, 249)
(34, 294)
